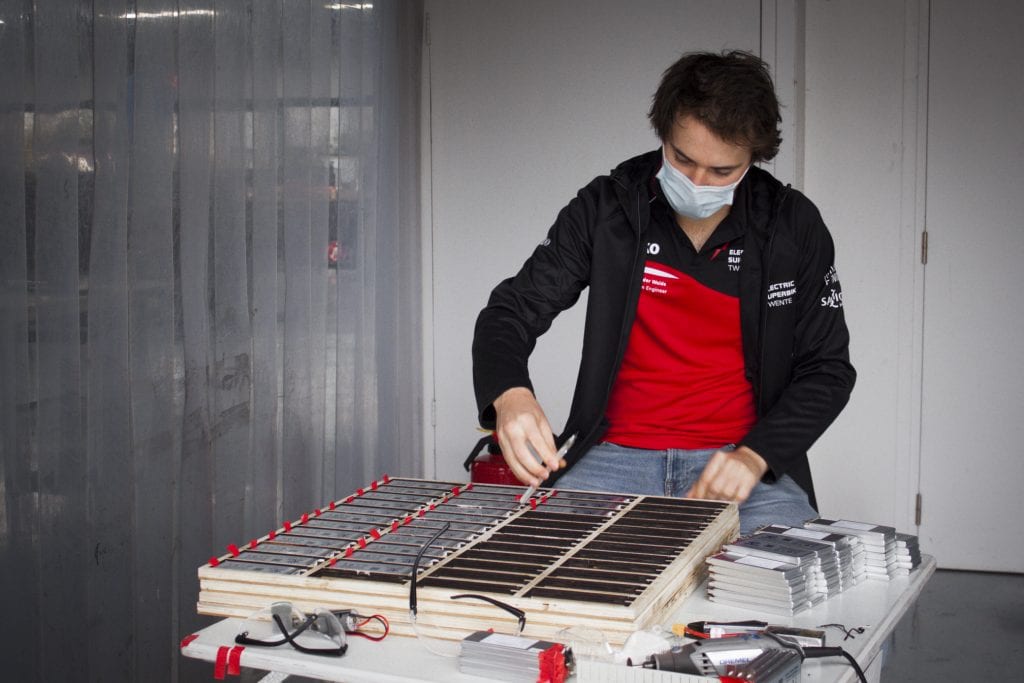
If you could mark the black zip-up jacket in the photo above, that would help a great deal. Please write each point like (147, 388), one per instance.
(795, 343)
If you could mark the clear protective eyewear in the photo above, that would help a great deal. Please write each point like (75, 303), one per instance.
(318, 633)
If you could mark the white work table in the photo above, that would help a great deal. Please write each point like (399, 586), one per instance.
(875, 605)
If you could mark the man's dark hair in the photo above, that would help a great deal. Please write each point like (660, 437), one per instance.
(730, 93)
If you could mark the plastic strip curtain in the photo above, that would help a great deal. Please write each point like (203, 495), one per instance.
(208, 283)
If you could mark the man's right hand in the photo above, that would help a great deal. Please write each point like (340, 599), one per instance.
(522, 425)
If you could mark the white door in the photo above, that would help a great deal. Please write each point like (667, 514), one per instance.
(972, 441)
(530, 100)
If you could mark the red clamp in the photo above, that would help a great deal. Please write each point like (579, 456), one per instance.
(214, 561)
(233, 549)
(220, 665)
(235, 660)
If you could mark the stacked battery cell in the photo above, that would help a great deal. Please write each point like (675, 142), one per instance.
(816, 579)
(849, 552)
(879, 543)
(908, 554)
(785, 570)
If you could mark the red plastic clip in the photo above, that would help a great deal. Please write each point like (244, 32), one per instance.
(433, 506)
(394, 525)
(373, 486)
(360, 492)
(331, 562)
(272, 535)
(220, 665)
(387, 479)
(305, 518)
(214, 561)
(316, 513)
(233, 549)
(422, 512)
(235, 660)
(287, 526)
(407, 520)
(349, 550)
(350, 499)
(253, 543)
(331, 506)
(362, 542)
(456, 492)
(375, 534)
(533, 503)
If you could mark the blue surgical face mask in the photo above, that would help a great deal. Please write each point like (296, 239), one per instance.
(693, 201)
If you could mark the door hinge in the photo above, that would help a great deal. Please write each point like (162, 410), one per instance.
(917, 511)
(924, 247)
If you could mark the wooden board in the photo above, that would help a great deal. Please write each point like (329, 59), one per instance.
(614, 562)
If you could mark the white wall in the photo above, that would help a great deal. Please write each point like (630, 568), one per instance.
(857, 159)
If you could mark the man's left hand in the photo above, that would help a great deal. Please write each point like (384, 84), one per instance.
(729, 475)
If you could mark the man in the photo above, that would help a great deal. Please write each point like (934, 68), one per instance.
(715, 350)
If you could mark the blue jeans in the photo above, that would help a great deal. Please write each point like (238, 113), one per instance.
(619, 469)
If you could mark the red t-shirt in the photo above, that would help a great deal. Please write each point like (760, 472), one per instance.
(682, 382)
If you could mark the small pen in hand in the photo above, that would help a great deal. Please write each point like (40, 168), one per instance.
(532, 489)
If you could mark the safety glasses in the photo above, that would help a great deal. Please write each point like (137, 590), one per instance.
(318, 633)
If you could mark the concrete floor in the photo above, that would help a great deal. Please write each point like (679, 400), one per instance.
(966, 626)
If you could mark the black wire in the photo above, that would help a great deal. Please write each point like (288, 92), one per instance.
(818, 652)
(416, 565)
(855, 665)
(519, 614)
